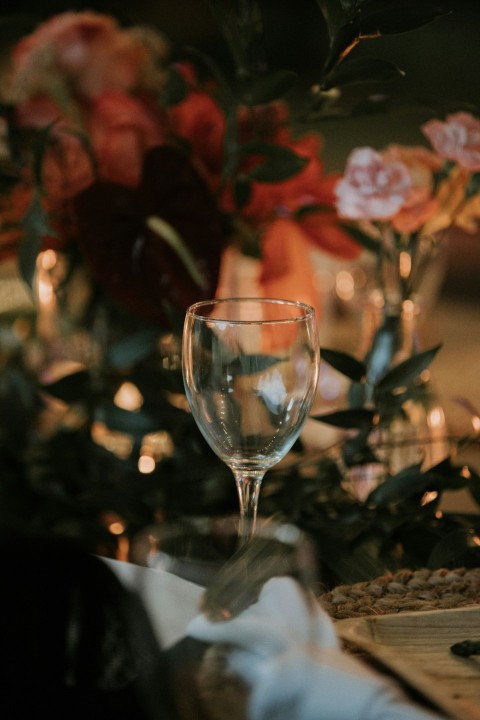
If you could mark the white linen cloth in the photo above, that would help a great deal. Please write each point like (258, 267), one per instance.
(170, 601)
(286, 649)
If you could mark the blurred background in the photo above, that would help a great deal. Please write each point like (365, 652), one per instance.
(441, 62)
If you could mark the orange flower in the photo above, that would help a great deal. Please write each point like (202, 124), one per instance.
(297, 198)
(450, 199)
(420, 205)
(324, 233)
(286, 269)
(199, 121)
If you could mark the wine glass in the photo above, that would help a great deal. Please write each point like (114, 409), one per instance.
(204, 552)
(250, 369)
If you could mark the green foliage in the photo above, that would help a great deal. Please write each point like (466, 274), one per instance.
(397, 525)
(36, 225)
(347, 23)
(278, 163)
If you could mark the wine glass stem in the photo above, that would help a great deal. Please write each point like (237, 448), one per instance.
(248, 487)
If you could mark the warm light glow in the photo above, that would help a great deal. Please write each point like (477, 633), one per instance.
(48, 259)
(345, 285)
(408, 308)
(425, 375)
(146, 464)
(170, 352)
(377, 298)
(128, 397)
(116, 442)
(436, 418)
(157, 445)
(429, 497)
(476, 423)
(405, 264)
(116, 528)
(476, 539)
(45, 291)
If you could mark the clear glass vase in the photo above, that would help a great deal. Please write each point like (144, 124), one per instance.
(417, 434)
(393, 327)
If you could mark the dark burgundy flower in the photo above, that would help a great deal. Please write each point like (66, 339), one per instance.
(131, 262)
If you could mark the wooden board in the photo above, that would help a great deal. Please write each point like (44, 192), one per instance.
(416, 647)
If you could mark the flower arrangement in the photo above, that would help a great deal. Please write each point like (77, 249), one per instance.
(127, 178)
(400, 203)
(405, 199)
(130, 184)
(113, 138)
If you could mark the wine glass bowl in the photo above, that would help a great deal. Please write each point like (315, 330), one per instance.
(250, 370)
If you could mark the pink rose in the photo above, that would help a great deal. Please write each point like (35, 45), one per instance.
(373, 187)
(456, 139)
(86, 52)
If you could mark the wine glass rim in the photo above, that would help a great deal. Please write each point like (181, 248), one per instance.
(305, 311)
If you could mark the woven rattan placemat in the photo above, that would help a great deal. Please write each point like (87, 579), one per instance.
(224, 695)
(403, 591)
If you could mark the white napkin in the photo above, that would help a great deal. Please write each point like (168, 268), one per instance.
(169, 601)
(286, 649)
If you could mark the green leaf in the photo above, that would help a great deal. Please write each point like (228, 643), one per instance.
(267, 88)
(242, 191)
(399, 487)
(366, 241)
(135, 423)
(71, 388)
(36, 226)
(224, 91)
(473, 187)
(451, 550)
(348, 419)
(241, 25)
(386, 17)
(405, 373)
(333, 14)
(345, 364)
(175, 89)
(473, 483)
(42, 138)
(357, 451)
(280, 163)
(168, 233)
(132, 348)
(343, 43)
(361, 70)
(384, 345)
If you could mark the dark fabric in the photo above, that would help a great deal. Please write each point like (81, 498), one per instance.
(75, 643)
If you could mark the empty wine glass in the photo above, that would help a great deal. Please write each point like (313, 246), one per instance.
(250, 368)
